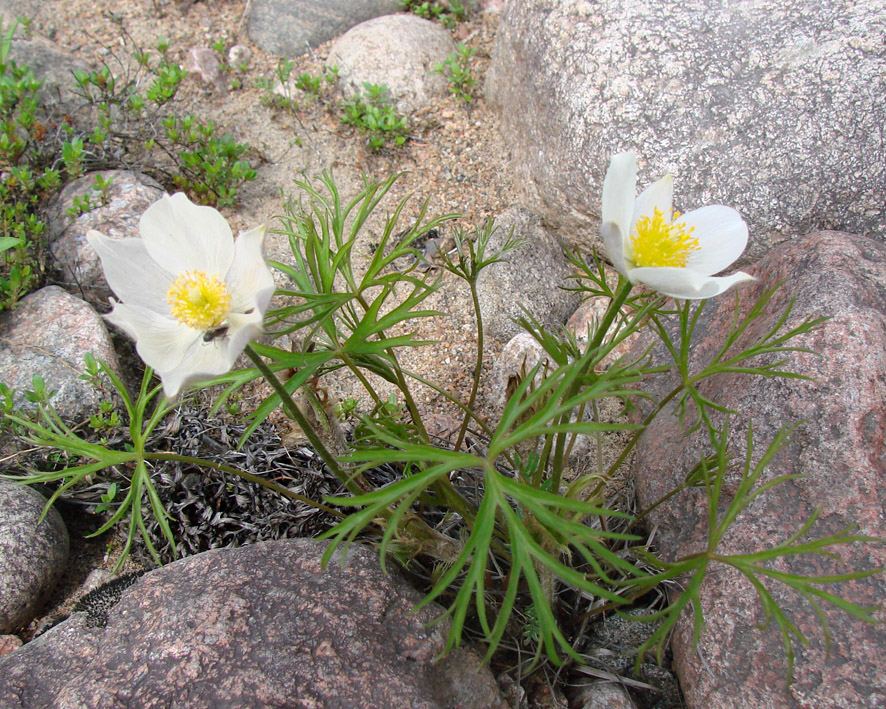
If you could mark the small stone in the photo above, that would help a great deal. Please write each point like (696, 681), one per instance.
(291, 28)
(519, 356)
(239, 56)
(604, 695)
(205, 62)
(9, 643)
(588, 315)
(53, 67)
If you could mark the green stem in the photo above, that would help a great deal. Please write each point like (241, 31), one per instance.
(445, 487)
(367, 385)
(296, 415)
(402, 385)
(642, 515)
(478, 366)
(623, 290)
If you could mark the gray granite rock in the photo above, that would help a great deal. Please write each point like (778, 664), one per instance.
(51, 65)
(399, 51)
(32, 556)
(291, 28)
(75, 262)
(12, 9)
(838, 450)
(48, 333)
(262, 625)
(772, 107)
(530, 276)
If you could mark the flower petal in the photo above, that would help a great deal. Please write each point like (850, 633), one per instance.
(163, 343)
(659, 194)
(181, 236)
(619, 189)
(613, 241)
(685, 283)
(209, 359)
(722, 235)
(132, 274)
(250, 281)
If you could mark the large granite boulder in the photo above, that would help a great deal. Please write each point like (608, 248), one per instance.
(293, 27)
(839, 451)
(773, 107)
(32, 556)
(258, 626)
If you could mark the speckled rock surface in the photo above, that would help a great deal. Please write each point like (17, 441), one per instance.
(399, 51)
(75, 262)
(17, 8)
(47, 334)
(290, 28)
(32, 556)
(604, 695)
(8, 643)
(521, 353)
(839, 448)
(258, 626)
(586, 320)
(530, 276)
(50, 64)
(773, 107)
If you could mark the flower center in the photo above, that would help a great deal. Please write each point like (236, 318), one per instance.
(198, 300)
(658, 241)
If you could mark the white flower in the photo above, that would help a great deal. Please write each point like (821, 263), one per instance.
(192, 297)
(675, 254)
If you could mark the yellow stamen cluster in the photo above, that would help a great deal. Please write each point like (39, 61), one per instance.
(198, 300)
(658, 242)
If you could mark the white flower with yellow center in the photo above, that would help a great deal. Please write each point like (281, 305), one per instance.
(675, 254)
(192, 297)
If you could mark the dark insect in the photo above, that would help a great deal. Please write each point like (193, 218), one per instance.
(215, 333)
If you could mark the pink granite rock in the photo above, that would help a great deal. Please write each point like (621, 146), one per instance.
(48, 334)
(8, 643)
(258, 626)
(839, 448)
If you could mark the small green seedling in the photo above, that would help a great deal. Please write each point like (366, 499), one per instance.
(457, 69)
